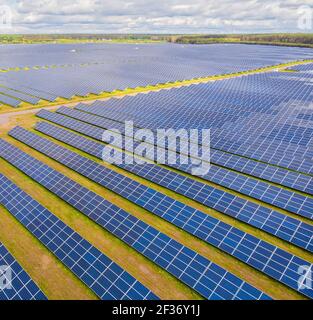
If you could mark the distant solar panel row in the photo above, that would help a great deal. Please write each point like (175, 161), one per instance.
(19, 95)
(306, 68)
(37, 94)
(257, 169)
(275, 223)
(259, 190)
(213, 231)
(104, 277)
(9, 101)
(17, 285)
(208, 279)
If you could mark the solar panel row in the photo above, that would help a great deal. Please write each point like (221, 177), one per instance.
(205, 277)
(28, 91)
(273, 222)
(259, 254)
(104, 277)
(290, 179)
(260, 190)
(19, 95)
(16, 284)
(9, 101)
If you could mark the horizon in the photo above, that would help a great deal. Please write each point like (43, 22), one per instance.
(162, 34)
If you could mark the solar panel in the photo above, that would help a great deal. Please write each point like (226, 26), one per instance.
(104, 277)
(213, 231)
(18, 284)
(270, 221)
(308, 117)
(260, 190)
(202, 275)
(9, 101)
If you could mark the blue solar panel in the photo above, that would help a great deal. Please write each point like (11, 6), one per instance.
(98, 272)
(273, 222)
(18, 284)
(207, 278)
(213, 231)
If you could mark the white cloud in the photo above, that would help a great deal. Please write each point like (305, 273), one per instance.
(171, 16)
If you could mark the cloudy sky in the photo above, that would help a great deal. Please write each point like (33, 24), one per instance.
(163, 16)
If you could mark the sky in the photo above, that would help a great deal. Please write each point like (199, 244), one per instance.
(151, 16)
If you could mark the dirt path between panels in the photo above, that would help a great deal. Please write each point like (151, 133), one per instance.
(5, 117)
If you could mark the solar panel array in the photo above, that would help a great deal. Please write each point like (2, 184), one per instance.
(281, 176)
(205, 277)
(261, 170)
(104, 277)
(261, 255)
(273, 222)
(260, 190)
(80, 69)
(241, 113)
(17, 284)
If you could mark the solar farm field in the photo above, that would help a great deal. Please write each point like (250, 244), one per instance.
(76, 226)
(39, 74)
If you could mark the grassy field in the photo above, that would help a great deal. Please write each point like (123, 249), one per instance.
(72, 39)
(279, 39)
(61, 284)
